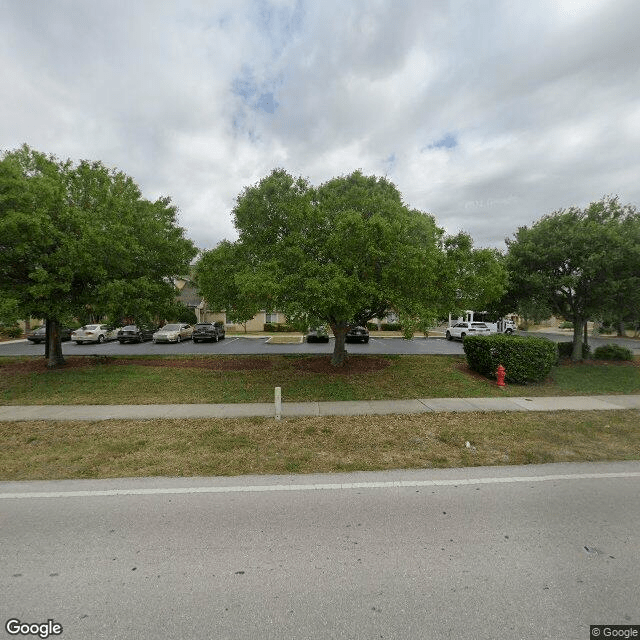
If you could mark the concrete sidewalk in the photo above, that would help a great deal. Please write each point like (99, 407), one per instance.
(371, 407)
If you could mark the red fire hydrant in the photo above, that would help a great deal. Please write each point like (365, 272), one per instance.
(500, 371)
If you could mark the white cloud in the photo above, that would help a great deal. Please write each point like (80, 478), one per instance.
(487, 115)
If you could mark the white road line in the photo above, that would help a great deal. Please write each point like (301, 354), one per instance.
(316, 487)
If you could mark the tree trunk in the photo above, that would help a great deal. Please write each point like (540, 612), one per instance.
(339, 351)
(578, 329)
(586, 335)
(53, 350)
(621, 330)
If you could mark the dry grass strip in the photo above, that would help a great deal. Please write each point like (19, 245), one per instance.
(208, 447)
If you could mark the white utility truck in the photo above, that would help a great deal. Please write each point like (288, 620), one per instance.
(495, 325)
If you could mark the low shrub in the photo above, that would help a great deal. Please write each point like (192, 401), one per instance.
(612, 352)
(606, 328)
(12, 331)
(566, 325)
(565, 349)
(274, 327)
(391, 326)
(372, 326)
(525, 358)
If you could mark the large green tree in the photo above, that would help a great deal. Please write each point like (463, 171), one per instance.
(577, 263)
(222, 283)
(79, 237)
(477, 277)
(341, 253)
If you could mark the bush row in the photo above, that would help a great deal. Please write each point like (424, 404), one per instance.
(13, 331)
(605, 352)
(277, 326)
(525, 358)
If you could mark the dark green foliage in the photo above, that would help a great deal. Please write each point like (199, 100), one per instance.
(578, 264)
(612, 352)
(80, 240)
(526, 359)
(385, 326)
(182, 313)
(13, 331)
(565, 349)
(272, 327)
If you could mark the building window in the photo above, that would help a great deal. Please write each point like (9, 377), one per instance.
(271, 317)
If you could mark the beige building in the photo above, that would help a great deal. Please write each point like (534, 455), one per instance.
(255, 324)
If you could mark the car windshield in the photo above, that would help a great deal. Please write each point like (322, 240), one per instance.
(204, 325)
(170, 327)
(130, 327)
(480, 325)
(90, 327)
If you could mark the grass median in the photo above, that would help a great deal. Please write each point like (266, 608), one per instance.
(232, 379)
(209, 447)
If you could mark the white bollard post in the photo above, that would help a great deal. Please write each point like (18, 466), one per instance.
(278, 403)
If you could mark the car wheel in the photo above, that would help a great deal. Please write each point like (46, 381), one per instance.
(462, 336)
(366, 340)
(121, 341)
(195, 341)
(449, 335)
(179, 339)
(215, 339)
(509, 332)
(100, 339)
(78, 341)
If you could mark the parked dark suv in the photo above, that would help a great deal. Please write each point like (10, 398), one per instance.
(40, 334)
(134, 333)
(357, 334)
(208, 331)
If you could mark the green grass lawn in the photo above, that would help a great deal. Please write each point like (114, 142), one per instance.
(230, 379)
(120, 448)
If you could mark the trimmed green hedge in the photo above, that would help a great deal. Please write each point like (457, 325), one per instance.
(271, 327)
(525, 358)
(612, 352)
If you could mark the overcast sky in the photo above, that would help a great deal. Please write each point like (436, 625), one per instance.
(487, 115)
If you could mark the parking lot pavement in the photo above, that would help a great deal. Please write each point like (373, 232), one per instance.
(241, 345)
(260, 345)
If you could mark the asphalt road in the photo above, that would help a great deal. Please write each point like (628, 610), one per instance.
(485, 553)
(260, 346)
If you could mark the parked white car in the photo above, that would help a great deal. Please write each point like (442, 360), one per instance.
(176, 332)
(94, 333)
(462, 329)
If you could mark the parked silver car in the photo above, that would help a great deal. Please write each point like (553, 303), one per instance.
(94, 333)
(176, 332)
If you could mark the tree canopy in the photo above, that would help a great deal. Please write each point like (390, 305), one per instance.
(79, 238)
(578, 263)
(341, 254)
